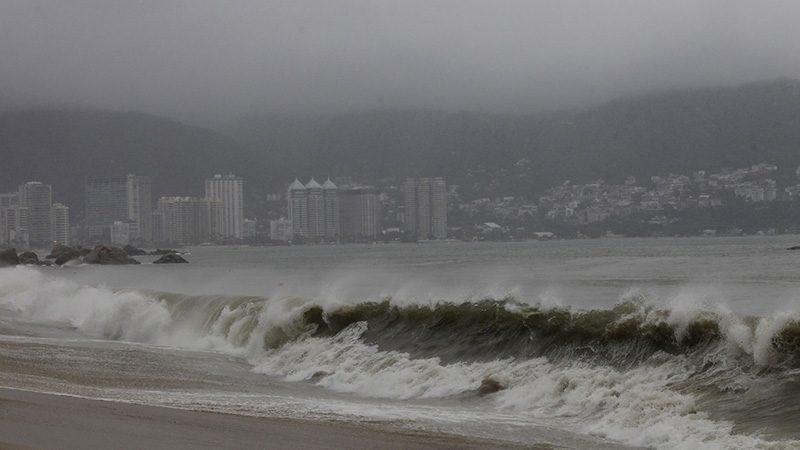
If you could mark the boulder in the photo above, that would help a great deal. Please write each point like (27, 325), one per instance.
(159, 251)
(9, 258)
(133, 251)
(489, 386)
(170, 258)
(108, 255)
(61, 254)
(29, 258)
(318, 375)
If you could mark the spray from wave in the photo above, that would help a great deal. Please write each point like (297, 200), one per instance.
(633, 373)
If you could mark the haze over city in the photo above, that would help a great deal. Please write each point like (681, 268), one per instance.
(448, 224)
(208, 62)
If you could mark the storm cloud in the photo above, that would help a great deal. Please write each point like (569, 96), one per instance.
(208, 60)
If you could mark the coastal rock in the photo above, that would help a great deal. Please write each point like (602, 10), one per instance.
(170, 258)
(489, 386)
(318, 375)
(133, 251)
(61, 254)
(108, 255)
(9, 257)
(160, 251)
(29, 258)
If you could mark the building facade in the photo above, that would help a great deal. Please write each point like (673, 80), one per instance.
(330, 200)
(118, 199)
(38, 199)
(7, 201)
(314, 210)
(60, 224)
(186, 220)
(359, 214)
(298, 208)
(425, 202)
(280, 230)
(228, 189)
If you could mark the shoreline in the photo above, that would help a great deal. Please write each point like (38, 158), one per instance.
(31, 419)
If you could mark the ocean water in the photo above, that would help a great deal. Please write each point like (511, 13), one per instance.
(662, 343)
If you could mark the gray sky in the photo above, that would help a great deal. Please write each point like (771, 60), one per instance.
(208, 60)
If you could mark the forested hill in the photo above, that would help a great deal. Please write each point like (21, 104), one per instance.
(488, 154)
(64, 147)
(677, 131)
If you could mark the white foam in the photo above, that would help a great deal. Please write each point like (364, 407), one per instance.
(636, 406)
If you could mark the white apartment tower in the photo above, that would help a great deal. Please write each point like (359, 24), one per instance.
(119, 199)
(298, 208)
(331, 205)
(7, 201)
(360, 213)
(229, 218)
(186, 220)
(425, 203)
(314, 210)
(38, 198)
(60, 224)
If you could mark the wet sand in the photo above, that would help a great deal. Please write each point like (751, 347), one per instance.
(33, 420)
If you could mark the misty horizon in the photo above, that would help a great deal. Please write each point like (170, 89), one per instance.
(210, 64)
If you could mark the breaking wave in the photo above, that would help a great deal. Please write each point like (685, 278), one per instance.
(635, 373)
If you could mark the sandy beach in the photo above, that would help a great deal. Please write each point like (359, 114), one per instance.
(34, 420)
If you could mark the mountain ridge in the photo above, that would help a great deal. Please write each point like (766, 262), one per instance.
(676, 131)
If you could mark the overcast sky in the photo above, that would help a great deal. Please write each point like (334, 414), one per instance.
(207, 60)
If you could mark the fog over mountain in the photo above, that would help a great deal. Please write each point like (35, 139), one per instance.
(208, 62)
(487, 154)
(470, 90)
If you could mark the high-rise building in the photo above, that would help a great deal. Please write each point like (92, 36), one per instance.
(159, 233)
(298, 208)
(425, 203)
(140, 207)
(410, 206)
(359, 213)
(38, 198)
(424, 209)
(229, 219)
(6, 201)
(17, 226)
(331, 206)
(186, 220)
(60, 224)
(119, 199)
(438, 202)
(121, 233)
(316, 210)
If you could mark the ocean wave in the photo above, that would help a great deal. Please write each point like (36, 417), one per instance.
(636, 373)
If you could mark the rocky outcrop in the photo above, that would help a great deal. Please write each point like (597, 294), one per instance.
(61, 254)
(133, 251)
(9, 258)
(489, 386)
(160, 251)
(171, 258)
(29, 259)
(108, 255)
